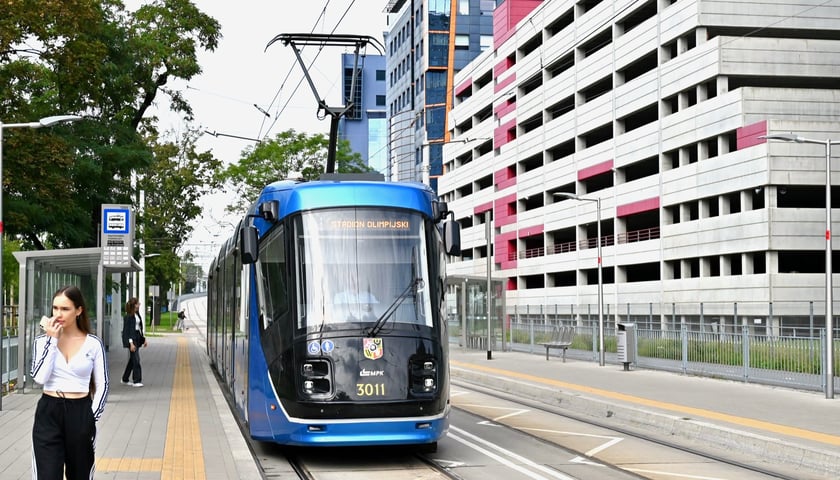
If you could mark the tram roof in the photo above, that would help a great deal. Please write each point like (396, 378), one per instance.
(313, 195)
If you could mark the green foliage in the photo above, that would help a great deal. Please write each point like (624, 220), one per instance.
(273, 160)
(173, 187)
(10, 267)
(790, 355)
(95, 59)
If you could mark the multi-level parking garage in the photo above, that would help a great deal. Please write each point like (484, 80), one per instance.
(654, 110)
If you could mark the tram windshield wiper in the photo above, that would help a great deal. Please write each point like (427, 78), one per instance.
(412, 287)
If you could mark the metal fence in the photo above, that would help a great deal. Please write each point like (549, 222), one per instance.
(9, 351)
(782, 345)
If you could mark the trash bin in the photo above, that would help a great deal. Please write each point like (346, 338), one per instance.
(626, 347)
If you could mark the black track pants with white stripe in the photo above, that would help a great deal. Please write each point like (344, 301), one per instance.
(63, 439)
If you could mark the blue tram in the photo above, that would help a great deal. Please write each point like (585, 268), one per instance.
(326, 320)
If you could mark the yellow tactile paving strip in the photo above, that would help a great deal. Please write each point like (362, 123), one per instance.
(183, 453)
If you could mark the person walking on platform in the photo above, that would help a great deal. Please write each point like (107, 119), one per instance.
(179, 325)
(69, 361)
(133, 339)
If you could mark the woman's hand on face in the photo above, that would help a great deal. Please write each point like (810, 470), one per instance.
(54, 328)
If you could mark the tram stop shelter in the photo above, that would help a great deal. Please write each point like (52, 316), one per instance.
(467, 311)
(42, 272)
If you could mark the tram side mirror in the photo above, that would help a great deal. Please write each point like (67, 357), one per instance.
(452, 237)
(439, 210)
(248, 245)
(269, 211)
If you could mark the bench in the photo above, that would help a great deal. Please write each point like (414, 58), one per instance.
(479, 342)
(561, 337)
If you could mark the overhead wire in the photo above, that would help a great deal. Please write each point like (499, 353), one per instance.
(289, 98)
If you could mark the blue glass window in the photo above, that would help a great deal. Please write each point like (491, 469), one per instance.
(439, 14)
(435, 123)
(435, 87)
(438, 50)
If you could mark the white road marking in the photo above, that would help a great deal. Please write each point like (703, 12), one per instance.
(584, 461)
(612, 440)
(530, 474)
(513, 411)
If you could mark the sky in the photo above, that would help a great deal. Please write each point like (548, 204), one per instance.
(241, 72)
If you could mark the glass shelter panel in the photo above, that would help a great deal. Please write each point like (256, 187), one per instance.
(466, 307)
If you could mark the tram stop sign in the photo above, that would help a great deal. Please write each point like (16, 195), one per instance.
(117, 235)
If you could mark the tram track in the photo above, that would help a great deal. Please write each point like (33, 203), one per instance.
(394, 463)
(707, 454)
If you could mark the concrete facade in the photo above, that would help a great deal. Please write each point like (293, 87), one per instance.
(657, 109)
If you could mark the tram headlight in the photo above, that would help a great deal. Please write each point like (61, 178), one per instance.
(423, 373)
(316, 379)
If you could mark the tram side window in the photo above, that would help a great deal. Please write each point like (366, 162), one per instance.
(272, 272)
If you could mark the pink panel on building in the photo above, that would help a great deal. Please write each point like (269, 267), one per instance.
(507, 15)
(505, 107)
(531, 231)
(503, 245)
(748, 136)
(505, 177)
(478, 209)
(501, 67)
(598, 169)
(504, 210)
(502, 134)
(502, 84)
(506, 183)
(511, 284)
(637, 207)
(460, 88)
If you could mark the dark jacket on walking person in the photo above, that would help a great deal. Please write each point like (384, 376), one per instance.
(133, 338)
(70, 362)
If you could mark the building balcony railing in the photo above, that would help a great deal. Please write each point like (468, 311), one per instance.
(606, 240)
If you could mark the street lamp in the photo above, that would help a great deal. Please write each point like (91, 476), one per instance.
(597, 200)
(829, 315)
(44, 122)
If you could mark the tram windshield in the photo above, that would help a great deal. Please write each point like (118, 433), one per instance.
(361, 267)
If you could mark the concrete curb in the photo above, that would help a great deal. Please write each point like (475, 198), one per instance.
(626, 415)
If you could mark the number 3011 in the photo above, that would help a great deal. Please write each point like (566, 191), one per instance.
(370, 389)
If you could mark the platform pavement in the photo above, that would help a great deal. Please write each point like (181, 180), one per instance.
(164, 430)
(798, 428)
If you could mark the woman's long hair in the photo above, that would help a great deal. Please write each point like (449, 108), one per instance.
(131, 306)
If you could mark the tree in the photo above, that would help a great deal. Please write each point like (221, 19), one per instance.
(95, 59)
(173, 188)
(274, 160)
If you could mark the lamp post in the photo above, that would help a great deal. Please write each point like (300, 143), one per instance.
(829, 315)
(141, 290)
(44, 122)
(597, 200)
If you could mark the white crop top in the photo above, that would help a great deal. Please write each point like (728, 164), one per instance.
(50, 369)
